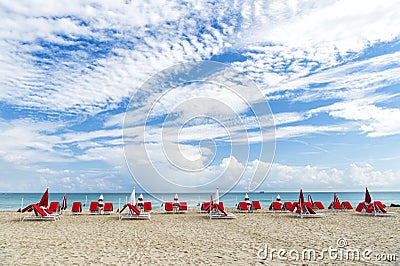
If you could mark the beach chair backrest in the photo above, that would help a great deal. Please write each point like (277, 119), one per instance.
(277, 205)
(134, 209)
(379, 206)
(346, 205)
(205, 206)
(54, 206)
(319, 205)
(288, 206)
(183, 206)
(360, 207)
(221, 205)
(108, 207)
(147, 206)
(93, 206)
(39, 211)
(255, 205)
(242, 206)
(76, 207)
(337, 205)
(169, 206)
(370, 208)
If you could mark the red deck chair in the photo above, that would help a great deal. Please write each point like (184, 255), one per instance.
(169, 207)
(54, 207)
(361, 206)
(287, 206)
(275, 206)
(255, 205)
(379, 207)
(205, 206)
(39, 214)
(108, 208)
(147, 206)
(318, 205)
(370, 208)
(242, 207)
(183, 206)
(346, 205)
(76, 208)
(221, 205)
(335, 205)
(134, 209)
(305, 208)
(94, 207)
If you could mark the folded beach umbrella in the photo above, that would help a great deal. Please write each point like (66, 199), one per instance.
(367, 196)
(132, 198)
(101, 200)
(310, 200)
(176, 199)
(44, 201)
(247, 199)
(278, 198)
(335, 198)
(216, 201)
(301, 199)
(64, 203)
(140, 200)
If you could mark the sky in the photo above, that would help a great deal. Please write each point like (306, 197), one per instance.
(81, 108)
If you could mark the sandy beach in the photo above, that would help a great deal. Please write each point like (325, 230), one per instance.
(191, 238)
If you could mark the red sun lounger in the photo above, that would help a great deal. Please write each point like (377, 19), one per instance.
(255, 205)
(361, 206)
(346, 205)
(76, 208)
(183, 206)
(169, 207)
(275, 206)
(134, 213)
(54, 207)
(205, 206)
(40, 214)
(147, 206)
(318, 205)
(94, 207)
(242, 207)
(108, 208)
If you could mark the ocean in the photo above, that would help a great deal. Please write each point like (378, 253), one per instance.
(12, 201)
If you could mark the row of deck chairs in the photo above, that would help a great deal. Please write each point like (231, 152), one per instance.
(244, 206)
(172, 207)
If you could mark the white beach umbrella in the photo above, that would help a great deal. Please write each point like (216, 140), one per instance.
(216, 200)
(101, 201)
(247, 199)
(132, 198)
(140, 199)
(278, 198)
(176, 199)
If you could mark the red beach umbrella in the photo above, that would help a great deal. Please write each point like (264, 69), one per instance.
(64, 203)
(44, 201)
(367, 196)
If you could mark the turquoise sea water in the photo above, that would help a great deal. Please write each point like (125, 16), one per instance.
(12, 201)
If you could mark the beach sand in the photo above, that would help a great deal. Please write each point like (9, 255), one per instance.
(191, 238)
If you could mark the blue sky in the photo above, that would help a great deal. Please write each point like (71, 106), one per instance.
(329, 70)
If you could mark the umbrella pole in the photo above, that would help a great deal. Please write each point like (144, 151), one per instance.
(20, 213)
